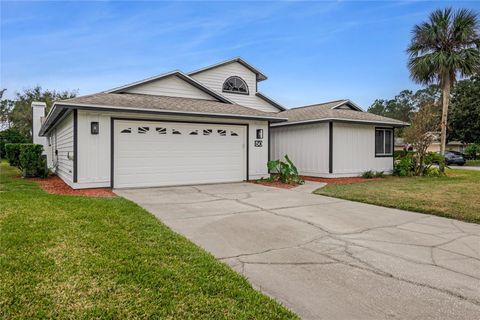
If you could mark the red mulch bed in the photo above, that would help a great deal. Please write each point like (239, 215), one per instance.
(55, 185)
(339, 180)
(277, 184)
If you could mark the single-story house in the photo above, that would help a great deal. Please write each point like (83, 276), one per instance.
(208, 126)
(335, 139)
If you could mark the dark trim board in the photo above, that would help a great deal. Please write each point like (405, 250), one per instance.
(330, 147)
(112, 139)
(393, 143)
(269, 143)
(75, 145)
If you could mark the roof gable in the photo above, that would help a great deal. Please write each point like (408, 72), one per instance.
(339, 110)
(174, 83)
(259, 75)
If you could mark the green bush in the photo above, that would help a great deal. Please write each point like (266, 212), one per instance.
(379, 174)
(472, 150)
(373, 174)
(28, 158)
(12, 151)
(368, 174)
(11, 135)
(404, 166)
(285, 171)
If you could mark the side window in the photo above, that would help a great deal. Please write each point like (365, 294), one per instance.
(175, 131)
(194, 133)
(222, 132)
(383, 142)
(233, 134)
(127, 130)
(207, 132)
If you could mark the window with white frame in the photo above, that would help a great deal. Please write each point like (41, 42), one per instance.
(235, 85)
(383, 142)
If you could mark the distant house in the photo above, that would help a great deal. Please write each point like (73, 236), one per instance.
(435, 146)
(207, 126)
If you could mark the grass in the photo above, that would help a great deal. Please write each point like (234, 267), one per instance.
(475, 163)
(454, 196)
(84, 258)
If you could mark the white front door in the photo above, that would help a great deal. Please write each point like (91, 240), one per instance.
(151, 153)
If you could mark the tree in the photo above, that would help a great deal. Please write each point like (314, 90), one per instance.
(6, 106)
(464, 114)
(421, 134)
(21, 114)
(10, 135)
(447, 45)
(404, 105)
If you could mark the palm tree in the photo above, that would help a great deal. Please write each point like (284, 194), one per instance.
(444, 47)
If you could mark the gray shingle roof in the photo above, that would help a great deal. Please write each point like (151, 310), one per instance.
(329, 111)
(164, 103)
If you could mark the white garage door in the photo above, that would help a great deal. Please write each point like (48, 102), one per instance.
(148, 154)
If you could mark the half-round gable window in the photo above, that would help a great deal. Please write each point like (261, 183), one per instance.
(235, 85)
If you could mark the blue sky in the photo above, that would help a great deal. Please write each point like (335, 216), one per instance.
(311, 51)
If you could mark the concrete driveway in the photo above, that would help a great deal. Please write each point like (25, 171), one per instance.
(327, 258)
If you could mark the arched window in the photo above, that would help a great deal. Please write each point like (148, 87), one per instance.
(235, 85)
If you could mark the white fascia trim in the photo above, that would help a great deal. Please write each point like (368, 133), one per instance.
(340, 120)
(182, 76)
(172, 111)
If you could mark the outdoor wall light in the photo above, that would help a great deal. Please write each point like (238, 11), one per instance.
(94, 127)
(259, 133)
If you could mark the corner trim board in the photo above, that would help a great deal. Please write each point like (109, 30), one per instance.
(330, 147)
(75, 145)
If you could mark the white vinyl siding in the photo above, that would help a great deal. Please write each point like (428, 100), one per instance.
(305, 145)
(215, 78)
(354, 150)
(93, 150)
(63, 143)
(171, 86)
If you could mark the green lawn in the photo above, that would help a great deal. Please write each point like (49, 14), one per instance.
(473, 163)
(77, 257)
(454, 196)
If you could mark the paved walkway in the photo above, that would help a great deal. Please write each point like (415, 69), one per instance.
(474, 168)
(327, 258)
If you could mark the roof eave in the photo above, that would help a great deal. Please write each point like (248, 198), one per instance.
(63, 105)
(371, 122)
(271, 101)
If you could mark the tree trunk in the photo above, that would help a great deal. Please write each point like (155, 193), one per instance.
(445, 101)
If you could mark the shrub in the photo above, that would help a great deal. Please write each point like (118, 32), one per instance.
(373, 174)
(11, 135)
(28, 158)
(368, 174)
(285, 171)
(12, 151)
(472, 150)
(379, 174)
(404, 166)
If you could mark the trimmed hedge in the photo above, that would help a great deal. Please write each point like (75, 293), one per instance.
(28, 158)
(12, 151)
